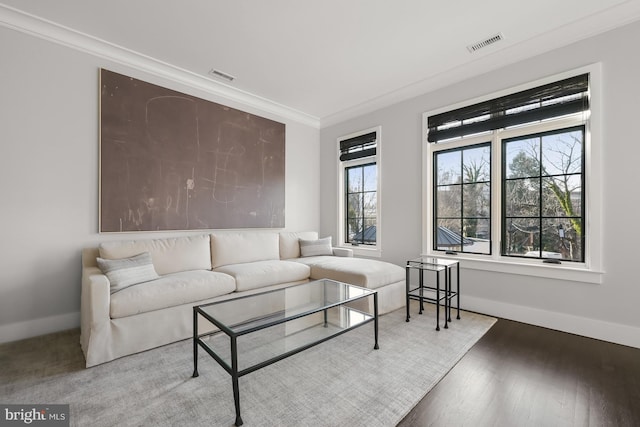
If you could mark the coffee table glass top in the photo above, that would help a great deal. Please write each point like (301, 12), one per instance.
(253, 312)
(270, 324)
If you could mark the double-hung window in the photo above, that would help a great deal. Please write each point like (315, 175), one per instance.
(359, 216)
(506, 178)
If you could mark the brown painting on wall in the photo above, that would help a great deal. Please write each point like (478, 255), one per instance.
(170, 161)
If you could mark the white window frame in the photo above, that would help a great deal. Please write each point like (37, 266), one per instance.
(369, 250)
(591, 271)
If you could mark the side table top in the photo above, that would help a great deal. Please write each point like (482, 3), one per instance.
(431, 263)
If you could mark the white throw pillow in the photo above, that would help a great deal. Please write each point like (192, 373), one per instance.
(290, 242)
(316, 247)
(171, 254)
(126, 272)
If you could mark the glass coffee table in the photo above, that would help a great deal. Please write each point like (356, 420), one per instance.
(257, 330)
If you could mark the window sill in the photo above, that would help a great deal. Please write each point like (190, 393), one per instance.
(364, 251)
(538, 269)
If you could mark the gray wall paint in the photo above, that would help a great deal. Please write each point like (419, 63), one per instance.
(49, 178)
(608, 310)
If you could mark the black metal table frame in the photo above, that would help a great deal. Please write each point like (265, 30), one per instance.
(233, 369)
(447, 295)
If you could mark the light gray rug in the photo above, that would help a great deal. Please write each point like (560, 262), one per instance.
(340, 382)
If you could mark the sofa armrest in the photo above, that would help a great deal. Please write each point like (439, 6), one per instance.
(343, 252)
(96, 288)
(94, 303)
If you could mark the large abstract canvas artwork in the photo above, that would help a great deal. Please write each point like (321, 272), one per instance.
(171, 161)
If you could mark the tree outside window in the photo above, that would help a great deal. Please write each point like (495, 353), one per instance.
(542, 195)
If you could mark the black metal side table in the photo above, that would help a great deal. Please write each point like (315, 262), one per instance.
(437, 294)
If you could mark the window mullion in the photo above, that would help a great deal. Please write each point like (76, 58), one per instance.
(540, 197)
(362, 214)
(462, 195)
(497, 184)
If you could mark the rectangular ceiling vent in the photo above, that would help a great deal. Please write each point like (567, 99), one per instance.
(218, 73)
(484, 43)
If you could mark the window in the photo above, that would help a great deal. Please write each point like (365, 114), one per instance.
(542, 194)
(361, 205)
(506, 178)
(359, 189)
(462, 189)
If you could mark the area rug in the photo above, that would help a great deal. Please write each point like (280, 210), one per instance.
(343, 381)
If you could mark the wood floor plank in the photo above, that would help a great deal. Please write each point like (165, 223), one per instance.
(523, 375)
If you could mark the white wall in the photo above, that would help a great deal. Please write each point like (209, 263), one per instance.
(606, 311)
(49, 177)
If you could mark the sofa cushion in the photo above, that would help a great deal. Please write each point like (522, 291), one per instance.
(367, 273)
(126, 272)
(170, 290)
(265, 273)
(237, 248)
(290, 242)
(169, 255)
(316, 247)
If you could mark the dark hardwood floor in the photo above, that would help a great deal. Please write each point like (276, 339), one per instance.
(522, 375)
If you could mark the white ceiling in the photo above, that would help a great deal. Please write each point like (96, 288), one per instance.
(331, 59)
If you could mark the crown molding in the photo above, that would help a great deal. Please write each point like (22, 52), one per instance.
(581, 29)
(47, 30)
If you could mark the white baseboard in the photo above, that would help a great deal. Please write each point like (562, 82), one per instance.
(33, 328)
(592, 328)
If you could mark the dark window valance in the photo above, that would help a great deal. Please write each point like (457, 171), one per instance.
(567, 96)
(358, 147)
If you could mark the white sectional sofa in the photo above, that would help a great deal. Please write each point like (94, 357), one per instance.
(198, 269)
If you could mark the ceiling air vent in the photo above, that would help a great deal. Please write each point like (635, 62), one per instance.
(484, 43)
(220, 74)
